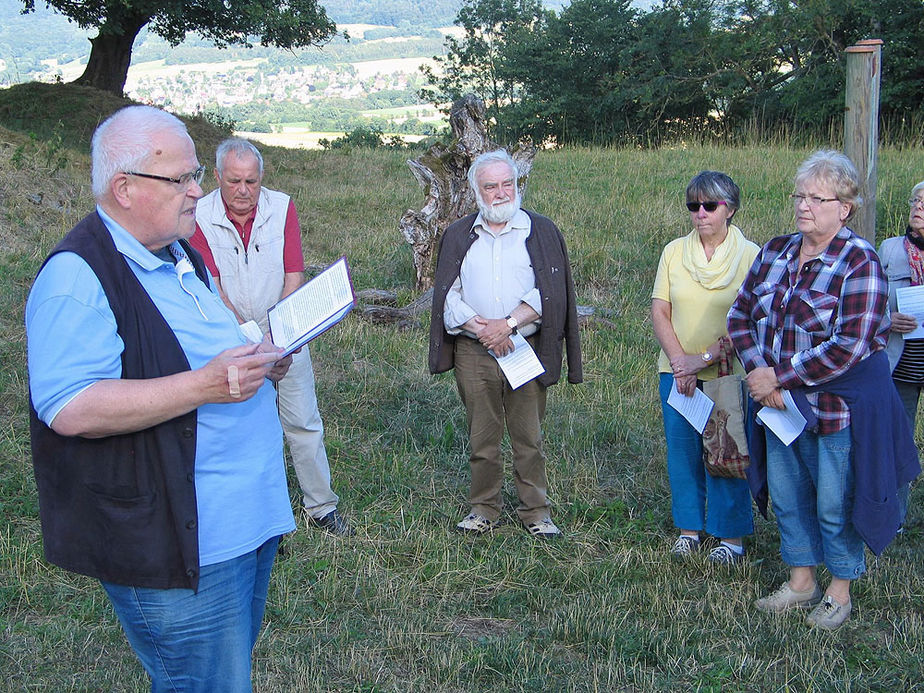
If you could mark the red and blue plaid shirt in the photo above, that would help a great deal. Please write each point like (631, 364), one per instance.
(812, 323)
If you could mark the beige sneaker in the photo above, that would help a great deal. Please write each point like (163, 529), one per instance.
(829, 614)
(476, 524)
(543, 529)
(786, 598)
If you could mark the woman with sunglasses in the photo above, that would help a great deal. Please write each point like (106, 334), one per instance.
(697, 280)
(902, 260)
(810, 320)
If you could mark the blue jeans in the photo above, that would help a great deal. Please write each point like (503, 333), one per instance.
(729, 500)
(199, 641)
(812, 488)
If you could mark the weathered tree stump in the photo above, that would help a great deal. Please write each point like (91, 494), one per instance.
(441, 172)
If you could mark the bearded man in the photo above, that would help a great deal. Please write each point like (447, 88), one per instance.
(501, 271)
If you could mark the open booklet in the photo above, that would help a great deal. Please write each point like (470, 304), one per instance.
(314, 307)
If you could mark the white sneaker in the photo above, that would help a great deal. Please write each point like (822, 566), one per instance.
(476, 524)
(685, 546)
(786, 598)
(543, 529)
(829, 614)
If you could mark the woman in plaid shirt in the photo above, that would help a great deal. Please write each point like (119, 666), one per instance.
(812, 308)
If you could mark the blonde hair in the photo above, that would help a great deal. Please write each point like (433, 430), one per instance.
(835, 170)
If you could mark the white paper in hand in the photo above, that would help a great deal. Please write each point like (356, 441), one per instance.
(521, 365)
(695, 409)
(787, 423)
(311, 309)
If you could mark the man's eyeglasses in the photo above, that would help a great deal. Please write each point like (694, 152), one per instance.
(183, 181)
(708, 206)
(812, 200)
(916, 202)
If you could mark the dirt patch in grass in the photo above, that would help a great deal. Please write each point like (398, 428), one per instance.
(472, 628)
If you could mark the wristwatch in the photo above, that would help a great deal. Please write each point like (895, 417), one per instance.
(512, 324)
(707, 357)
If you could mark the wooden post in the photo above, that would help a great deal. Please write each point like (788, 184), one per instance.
(861, 127)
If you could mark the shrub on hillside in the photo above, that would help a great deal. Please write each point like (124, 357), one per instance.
(366, 138)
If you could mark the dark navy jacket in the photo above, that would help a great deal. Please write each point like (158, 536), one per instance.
(123, 508)
(882, 447)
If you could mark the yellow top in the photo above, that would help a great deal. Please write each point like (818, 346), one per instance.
(698, 313)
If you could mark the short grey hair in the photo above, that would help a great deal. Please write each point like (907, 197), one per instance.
(834, 169)
(917, 188)
(486, 159)
(240, 148)
(715, 186)
(124, 142)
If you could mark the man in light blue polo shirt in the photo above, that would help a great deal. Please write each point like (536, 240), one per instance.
(156, 444)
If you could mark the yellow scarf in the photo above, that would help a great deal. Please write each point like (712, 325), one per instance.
(718, 272)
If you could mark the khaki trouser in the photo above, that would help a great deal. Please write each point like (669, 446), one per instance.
(489, 404)
(301, 421)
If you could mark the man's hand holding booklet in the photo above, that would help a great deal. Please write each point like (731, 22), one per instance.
(317, 305)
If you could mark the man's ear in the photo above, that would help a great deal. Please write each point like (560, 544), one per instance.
(120, 189)
(217, 176)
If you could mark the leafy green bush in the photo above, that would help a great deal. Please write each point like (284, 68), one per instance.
(365, 138)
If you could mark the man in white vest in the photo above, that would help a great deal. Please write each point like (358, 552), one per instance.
(250, 239)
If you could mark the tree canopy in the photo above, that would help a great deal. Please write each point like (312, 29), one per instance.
(282, 23)
(604, 71)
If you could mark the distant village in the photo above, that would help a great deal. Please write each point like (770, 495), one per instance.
(194, 88)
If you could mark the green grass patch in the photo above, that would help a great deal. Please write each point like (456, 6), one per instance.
(408, 604)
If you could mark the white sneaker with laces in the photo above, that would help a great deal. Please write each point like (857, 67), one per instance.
(786, 598)
(476, 524)
(685, 546)
(829, 614)
(543, 529)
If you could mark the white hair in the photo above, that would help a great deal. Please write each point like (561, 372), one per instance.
(240, 147)
(486, 159)
(123, 142)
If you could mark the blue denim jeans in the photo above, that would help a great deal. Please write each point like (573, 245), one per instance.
(692, 489)
(812, 489)
(199, 641)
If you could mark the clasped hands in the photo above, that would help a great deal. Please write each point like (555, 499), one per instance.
(493, 333)
(685, 367)
(764, 387)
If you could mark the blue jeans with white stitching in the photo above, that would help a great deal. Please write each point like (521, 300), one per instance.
(199, 641)
(811, 485)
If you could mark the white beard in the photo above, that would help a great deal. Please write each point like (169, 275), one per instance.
(499, 213)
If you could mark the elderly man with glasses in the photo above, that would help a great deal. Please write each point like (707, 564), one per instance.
(140, 381)
(250, 239)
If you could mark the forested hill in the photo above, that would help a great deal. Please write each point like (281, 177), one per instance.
(422, 13)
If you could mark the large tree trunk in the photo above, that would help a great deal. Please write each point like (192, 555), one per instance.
(107, 67)
(441, 172)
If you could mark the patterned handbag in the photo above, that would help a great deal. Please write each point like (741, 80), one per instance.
(725, 447)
